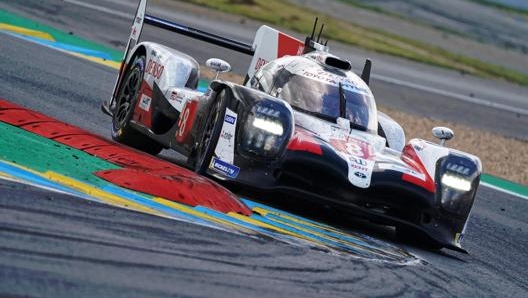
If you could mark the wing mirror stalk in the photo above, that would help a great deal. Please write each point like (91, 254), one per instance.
(218, 65)
(443, 133)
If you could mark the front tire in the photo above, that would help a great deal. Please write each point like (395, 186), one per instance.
(127, 96)
(204, 151)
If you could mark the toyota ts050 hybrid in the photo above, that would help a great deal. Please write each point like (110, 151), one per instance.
(303, 124)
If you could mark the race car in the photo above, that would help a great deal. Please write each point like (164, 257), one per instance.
(302, 124)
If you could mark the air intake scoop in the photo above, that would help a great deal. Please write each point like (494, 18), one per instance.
(338, 63)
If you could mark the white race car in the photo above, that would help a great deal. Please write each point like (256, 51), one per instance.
(303, 124)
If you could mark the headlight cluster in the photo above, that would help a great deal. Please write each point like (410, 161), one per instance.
(456, 182)
(266, 130)
(457, 175)
(268, 125)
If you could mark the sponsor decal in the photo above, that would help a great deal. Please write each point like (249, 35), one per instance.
(230, 119)
(360, 175)
(320, 76)
(138, 19)
(226, 135)
(174, 95)
(178, 97)
(334, 80)
(260, 62)
(225, 147)
(460, 169)
(144, 102)
(359, 161)
(358, 167)
(154, 69)
(224, 168)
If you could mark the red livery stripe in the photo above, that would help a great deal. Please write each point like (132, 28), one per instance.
(411, 158)
(302, 141)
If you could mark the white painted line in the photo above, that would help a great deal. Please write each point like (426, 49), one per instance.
(101, 9)
(504, 190)
(462, 97)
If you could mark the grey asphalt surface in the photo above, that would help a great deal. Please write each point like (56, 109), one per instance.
(59, 246)
(109, 24)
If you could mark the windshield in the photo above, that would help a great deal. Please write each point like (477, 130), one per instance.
(322, 98)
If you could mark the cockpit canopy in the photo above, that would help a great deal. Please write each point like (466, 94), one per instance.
(320, 90)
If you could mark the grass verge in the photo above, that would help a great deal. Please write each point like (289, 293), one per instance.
(300, 19)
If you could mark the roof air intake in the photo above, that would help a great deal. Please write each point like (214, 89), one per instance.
(338, 63)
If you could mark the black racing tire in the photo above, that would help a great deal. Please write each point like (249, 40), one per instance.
(127, 95)
(204, 150)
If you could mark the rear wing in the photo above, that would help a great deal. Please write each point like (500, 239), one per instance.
(268, 44)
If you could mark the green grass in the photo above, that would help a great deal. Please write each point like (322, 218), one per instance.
(300, 19)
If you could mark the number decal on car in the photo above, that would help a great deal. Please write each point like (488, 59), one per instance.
(186, 120)
(183, 122)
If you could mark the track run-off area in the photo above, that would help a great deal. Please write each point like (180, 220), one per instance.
(40, 151)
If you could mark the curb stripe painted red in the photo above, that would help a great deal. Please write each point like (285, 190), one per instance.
(141, 172)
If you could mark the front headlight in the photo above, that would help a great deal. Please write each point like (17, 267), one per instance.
(269, 125)
(458, 177)
(267, 129)
(456, 182)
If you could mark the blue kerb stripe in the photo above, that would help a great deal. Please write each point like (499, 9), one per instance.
(253, 204)
(39, 180)
(152, 204)
(65, 47)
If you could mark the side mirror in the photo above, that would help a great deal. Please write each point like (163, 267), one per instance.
(217, 65)
(443, 133)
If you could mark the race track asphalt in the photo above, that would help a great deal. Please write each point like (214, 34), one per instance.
(60, 246)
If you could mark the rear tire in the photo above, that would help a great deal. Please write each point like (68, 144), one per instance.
(204, 151)
(127, 96)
